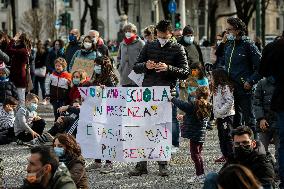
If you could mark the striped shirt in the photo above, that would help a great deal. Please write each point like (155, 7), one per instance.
(7, 119)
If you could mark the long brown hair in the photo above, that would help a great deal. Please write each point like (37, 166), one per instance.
(220, 78)
(72, 147)
(237, 177)
(203, 107)
(25, 41)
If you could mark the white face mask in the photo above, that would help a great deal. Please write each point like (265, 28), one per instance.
(218, 42)
(94, 41)
(128, 35)
(87, 45)
(163, 42)
(188, 39)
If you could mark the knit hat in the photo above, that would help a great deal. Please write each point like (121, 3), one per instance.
(187, 30)
(3, 67)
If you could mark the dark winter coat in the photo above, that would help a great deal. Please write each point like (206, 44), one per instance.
(76, 167)
(70, 51)
(103, 50)
(19, 56)
(259, 162)
(192, 57)
(51, 57)
(7, 89)
(272, 65)
(262, 101)
(193, 127)
(172, 54)
(4, 57)
(40, 59)
(241, 59)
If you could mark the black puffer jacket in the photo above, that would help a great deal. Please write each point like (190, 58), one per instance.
(7, 88)
(259, 162)
(262, 101)
(173, 54)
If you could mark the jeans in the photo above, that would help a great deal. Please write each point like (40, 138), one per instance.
(175, 123)
(22, 95)
(195, 153)
(224, 127)
(280, 125)
(57, 104)
(41, 82)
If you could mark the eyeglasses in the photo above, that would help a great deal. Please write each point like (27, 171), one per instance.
(243, 143)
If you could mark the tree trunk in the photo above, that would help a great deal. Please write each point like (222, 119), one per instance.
(83, 19)
(213, 5)
(13, 17)
(245, 9)
(94, 14)
(165, 4)
(263, 10)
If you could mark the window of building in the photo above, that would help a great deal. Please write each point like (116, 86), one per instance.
(277, 23)
(253, 24)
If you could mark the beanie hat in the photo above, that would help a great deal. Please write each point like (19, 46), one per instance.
(3, 67)
(187, 30)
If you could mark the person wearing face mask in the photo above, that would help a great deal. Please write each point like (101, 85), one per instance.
(163, 61)
(27, 124)
(99, 42)
(19, 49)
(54, 52)
(79, 79)
(7, 119)
(46, 172)
(128, 52)
(73, 46)
(87, 52)
(251, 154)
(148, 34)
(7, 88)
(241, 60)
(69, 152)
(58, 86)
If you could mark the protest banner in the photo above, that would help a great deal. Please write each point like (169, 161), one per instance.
(83, 64)
(126, 124)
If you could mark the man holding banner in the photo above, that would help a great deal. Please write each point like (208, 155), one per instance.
(163, 62)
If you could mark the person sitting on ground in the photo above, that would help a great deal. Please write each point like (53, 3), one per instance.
(69, 152)
(251, 154)
(7, 119)
(64, 124)
(27, 124)
(45, 171)
(237, 177)
(7, 88)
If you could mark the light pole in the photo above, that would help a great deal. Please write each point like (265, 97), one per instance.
(257, 19)
(156, 8)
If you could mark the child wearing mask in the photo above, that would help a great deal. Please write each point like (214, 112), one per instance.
(27, 124)
(223, 110)
(7, 88)
(196, 112)
(88, 51)
(58, 87)
(79, 79)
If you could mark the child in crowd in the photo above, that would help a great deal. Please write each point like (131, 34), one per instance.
(7, 119)
(64, 124)
(223, 110)
(196, 112)
(104, 73)
(79, 79)
(266, 118)
(7, 88)
(27, 124)
(103, 76)
(58, 87)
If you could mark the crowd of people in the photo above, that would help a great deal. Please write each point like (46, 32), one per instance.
(233, 86)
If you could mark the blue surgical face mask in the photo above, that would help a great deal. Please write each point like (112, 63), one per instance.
(72, 38)
(59, 151)
(98, 69)
(76, 81)
(231, 37)
(3, 78)
(188, 39)
(32, 107)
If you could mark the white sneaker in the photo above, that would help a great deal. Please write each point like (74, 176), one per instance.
(174, 149)
(196, 179)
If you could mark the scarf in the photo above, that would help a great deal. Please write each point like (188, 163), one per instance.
(130, 40)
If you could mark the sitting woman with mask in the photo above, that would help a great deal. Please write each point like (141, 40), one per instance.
(69, 152)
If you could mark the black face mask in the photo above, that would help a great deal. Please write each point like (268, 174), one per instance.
(242, 152)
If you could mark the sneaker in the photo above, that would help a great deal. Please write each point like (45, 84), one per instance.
(107, 168)
(94, 166)
(221, 160)
(197, 179)
(139, 170)
(163, 171)
(174, 149)
(45, 139)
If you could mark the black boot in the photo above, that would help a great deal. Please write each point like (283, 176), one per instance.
(140, 169)
(163, 170)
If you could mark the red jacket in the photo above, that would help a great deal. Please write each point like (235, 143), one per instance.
(74, 92)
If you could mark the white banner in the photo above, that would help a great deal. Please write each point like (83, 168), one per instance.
(126, 124)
